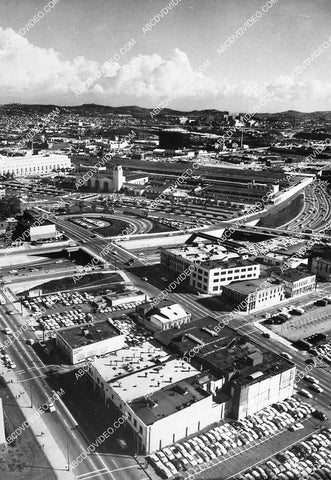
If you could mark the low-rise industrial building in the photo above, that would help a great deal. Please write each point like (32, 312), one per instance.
(84, 341)
(43, 232)
(296, 282)
(247, 376)
(321, 267)
(163, 316)
(165, 398)
(124, 297)
(254, 295)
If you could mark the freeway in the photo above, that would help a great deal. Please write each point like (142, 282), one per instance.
(316, 214)
(246, 325)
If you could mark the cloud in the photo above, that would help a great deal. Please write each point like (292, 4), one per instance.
(27, 69)
(31, 73)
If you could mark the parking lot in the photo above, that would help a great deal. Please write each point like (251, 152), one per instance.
(206, 455)
(315, 319)
(310, 459)
(66, 309)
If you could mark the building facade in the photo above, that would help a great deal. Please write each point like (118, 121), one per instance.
(209, 272)
(255, 295)
(163, 316)
(297, 283)
(33, 164)
(321, 267)
(82, 342)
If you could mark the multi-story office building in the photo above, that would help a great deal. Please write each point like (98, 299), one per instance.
(209, 266)
(254, 295)
(30, 164)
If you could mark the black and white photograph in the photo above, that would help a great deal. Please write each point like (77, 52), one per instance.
(165, 239)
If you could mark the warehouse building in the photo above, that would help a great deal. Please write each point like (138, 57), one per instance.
(321, 266)
(84, 341)
(296, 282)
(251, 376)
(165, 398)
(162, 316)
(254, 295)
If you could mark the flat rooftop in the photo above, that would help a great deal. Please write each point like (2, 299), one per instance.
(202, 251)
(82, 335)
(224, 353)
(168, 400)
(114, 365)
(152, 379)
(246, 287)
(230, 263)
(293, 275)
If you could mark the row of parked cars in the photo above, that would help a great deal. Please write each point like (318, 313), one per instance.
(224, 438)
(323, 351)
(7, 361)
(57, 320)
(65, 298)
(310, 459)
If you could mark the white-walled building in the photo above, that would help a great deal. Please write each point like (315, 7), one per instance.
(211, 266)
(165, 400)
(297, 282)
(163, 316)
(81, 342)
(255, 295)
(43, 232)
(29, 164)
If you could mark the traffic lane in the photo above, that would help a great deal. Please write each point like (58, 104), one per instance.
(60, 424)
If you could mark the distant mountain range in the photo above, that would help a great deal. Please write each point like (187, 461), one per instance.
(92, 109)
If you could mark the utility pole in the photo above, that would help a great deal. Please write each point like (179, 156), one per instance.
(68, 458)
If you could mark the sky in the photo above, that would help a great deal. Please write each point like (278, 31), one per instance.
(182, 58)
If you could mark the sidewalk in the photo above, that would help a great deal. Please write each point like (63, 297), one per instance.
(46, 441)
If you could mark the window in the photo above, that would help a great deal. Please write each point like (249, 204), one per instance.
(141, 429)
(135, 422)
(236, 277)
(250, 268)
(215, 289)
